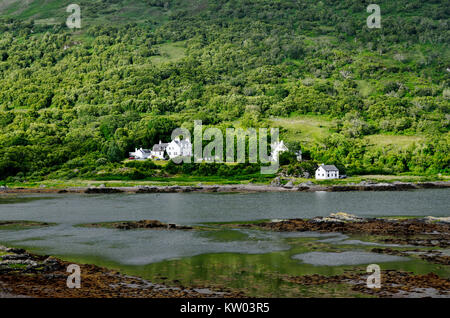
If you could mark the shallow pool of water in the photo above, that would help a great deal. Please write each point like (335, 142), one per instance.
(346, 258)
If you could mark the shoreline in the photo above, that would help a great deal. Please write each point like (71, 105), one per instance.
(242, 188)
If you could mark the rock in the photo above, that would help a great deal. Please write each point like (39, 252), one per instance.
(15, 257)
(148, 224)
(276, 182)
(432, 219)
(103, 190)
(15, 250)
(326, 220)
(19, 262)
(102, 186)
(52, 264)
(346, 217)
(50, 260)
(339, 217)
(42, 186)
(289, 185)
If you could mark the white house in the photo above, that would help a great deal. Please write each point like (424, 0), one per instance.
(179, 148)
(158, 150)
(277, 148)
(140, 154)
(327, 172)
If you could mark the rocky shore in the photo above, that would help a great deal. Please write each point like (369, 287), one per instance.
(405, 228)
(438, 228)
(289, 187)
(23, 274)
(142, 224)
(395, 284)
(432, 232)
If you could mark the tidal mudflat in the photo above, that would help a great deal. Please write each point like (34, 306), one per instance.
(226, 253)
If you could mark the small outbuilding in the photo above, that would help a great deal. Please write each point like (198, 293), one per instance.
(327, 172)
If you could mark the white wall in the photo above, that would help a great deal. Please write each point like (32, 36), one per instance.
(321, 174)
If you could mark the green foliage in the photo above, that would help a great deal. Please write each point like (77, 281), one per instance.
(82, 100)
(287, 157)
(212, 169)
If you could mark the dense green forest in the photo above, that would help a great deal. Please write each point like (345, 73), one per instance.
(74, 102)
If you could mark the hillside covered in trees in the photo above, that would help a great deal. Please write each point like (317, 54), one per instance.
(74, 102)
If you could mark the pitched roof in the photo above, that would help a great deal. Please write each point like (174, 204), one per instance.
(160, 147)
(329, 167)
(182, 143)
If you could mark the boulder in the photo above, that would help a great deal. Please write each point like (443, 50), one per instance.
(432, 219)
(289, 185)
(339, 217)
(346, 217)
(276, 182)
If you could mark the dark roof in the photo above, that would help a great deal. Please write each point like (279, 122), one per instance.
(329, 167)
(160, 147)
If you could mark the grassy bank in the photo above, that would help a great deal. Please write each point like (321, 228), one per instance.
(217, 180)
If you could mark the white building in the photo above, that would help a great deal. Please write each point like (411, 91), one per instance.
(140, 154)
(179, 148)
(277, 148)
(158, 150)
(327, 172)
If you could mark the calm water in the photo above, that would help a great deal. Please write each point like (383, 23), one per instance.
(139, 247)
